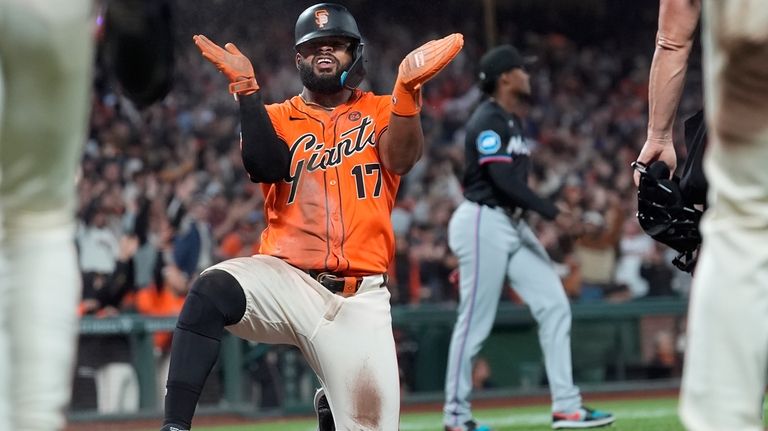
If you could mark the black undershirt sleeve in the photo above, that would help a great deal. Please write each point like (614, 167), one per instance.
(266, 157)
(504, 179)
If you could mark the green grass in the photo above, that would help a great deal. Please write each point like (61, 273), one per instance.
(632, 415)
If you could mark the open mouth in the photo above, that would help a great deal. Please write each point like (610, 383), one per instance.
(325, 63)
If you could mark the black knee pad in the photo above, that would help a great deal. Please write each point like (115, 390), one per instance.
(215, 301)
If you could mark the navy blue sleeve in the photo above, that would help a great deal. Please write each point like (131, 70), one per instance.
(266, 157)
(497, 146)
(518, 192)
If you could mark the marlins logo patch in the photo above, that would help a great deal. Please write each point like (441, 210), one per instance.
(488, 142)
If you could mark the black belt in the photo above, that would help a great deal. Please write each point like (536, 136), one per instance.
(347, 286)
(484, 203)
(514, 213)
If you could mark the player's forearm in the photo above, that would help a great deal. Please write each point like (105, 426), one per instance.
(528, 200)
(518, 193)
(265, 157)
(677, 24)
(402, 144)
(665, 88)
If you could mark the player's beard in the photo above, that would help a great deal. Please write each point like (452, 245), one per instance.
(325, 84)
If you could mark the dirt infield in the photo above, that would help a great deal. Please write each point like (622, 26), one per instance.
(148, 424)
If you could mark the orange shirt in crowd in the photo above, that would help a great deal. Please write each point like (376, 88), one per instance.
(150, 301)
(232, 246)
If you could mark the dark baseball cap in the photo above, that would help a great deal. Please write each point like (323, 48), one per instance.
(499, 60)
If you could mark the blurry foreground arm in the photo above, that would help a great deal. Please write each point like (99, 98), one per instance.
(401, 146)
(266, 158)
(677, 23)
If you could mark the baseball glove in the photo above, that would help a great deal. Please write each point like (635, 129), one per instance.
(231, 62)
(418, 67)
(666, 216)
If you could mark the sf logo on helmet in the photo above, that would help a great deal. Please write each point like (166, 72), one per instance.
(321, 17)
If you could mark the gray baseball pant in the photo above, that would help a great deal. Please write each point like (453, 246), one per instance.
(490, 246)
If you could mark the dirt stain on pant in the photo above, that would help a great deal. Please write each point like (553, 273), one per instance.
(366, 401)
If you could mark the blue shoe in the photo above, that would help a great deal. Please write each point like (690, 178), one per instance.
(583, 417)
(469, 425)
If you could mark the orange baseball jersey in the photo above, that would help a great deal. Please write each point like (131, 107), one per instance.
(333, 213)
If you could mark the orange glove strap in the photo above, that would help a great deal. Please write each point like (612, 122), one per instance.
(245, 87)
(405, 103)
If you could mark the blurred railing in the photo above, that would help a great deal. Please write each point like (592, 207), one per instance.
(607, 343)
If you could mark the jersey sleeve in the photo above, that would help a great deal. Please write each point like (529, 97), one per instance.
(278, 115)
(383, 114)
(265, 155)
(490, 141)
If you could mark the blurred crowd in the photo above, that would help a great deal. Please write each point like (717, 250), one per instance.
(163, 193)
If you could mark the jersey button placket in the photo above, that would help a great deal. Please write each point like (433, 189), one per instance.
(336, 226)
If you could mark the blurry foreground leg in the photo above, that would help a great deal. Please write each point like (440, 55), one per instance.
(46, 58)
(726, 358)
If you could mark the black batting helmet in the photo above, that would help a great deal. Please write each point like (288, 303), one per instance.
(330, 19)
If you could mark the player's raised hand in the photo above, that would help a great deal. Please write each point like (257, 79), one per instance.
(231, 62)
(424, 62)
(418, 67)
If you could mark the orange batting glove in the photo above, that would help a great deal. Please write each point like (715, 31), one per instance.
(418, 67)
(232, 63)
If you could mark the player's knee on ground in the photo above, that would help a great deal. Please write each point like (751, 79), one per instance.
(216, 300)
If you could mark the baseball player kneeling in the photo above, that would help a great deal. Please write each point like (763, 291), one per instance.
(329, 161)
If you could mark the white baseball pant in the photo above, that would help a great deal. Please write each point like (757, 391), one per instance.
(724, 376)
(348, 342)
(45, 78)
